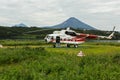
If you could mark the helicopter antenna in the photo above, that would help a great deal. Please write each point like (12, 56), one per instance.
(68, 29)
(113, 28)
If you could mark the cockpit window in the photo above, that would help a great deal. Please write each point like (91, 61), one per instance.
(70, 33)
(49, 37)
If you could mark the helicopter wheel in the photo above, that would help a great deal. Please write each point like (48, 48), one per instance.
(68, 45)
(75, 45)
(54, 45)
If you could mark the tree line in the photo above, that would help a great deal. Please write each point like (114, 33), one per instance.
(40, 33)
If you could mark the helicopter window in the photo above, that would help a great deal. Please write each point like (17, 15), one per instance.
(48, 37)
(68, 39)
(70, 33)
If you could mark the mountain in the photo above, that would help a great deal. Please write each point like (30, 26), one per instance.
(20, 25)
(74, 23)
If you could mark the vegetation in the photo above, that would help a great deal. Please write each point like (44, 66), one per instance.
(40, 33)
(9, 42)
(37, 61)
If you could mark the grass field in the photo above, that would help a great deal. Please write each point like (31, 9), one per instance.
(34, 60)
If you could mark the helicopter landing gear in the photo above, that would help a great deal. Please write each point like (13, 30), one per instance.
(68, 45)
(75, 45)
(54, 45)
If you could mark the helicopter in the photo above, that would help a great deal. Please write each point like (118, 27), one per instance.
(70, 37)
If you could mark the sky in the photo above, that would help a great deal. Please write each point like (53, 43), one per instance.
(101, 14)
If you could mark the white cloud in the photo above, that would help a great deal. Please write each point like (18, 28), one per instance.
(99, 13)
(3, 19)
(37, 12)
(103, 7)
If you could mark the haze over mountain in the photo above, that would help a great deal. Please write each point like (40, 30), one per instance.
(20, 25)
(74, 23)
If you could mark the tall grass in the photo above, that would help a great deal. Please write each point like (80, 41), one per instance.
(40, 63)
(21, 42)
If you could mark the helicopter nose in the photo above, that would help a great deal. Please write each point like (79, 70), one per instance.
(46, 40)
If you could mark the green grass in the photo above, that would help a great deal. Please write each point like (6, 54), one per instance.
(102, 62)
(21, 42)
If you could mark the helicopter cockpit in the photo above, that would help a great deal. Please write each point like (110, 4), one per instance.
(72, 33)
(48, 38)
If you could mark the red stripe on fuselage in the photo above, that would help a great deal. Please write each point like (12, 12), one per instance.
(72, 40)
(90, 36)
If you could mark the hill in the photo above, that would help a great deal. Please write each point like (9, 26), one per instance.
(74, 23)
(20, 25)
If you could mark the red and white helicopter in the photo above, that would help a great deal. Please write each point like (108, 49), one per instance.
(70, 37)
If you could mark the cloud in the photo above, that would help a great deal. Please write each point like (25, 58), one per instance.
(105, 7)
(39, 12)
(98, 13)
(102, 14)
(3, 19)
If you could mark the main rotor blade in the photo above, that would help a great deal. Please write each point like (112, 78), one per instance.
(39, 30)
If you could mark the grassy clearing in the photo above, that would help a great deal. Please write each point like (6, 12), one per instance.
(21, 42)
(101, 62)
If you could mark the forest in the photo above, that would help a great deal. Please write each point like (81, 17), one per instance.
(39, 33)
